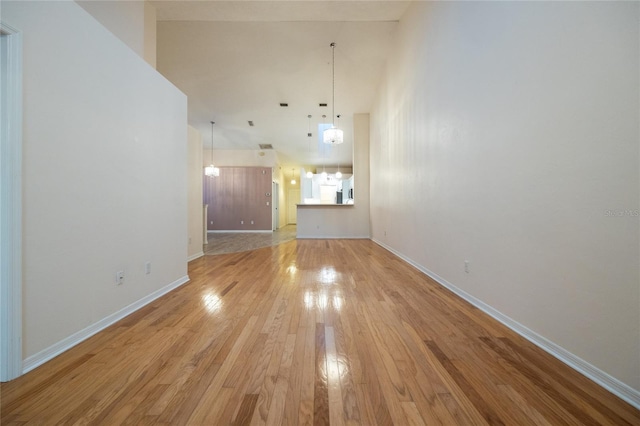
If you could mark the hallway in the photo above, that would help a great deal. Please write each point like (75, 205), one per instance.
(308, 332)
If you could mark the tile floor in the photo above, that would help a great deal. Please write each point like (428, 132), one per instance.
(233, 242)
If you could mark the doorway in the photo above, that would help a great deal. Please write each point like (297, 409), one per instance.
(293, 198)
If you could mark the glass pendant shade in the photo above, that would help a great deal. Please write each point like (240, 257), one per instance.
(309, 175)
(323, 175)
(338, 175)
(212, 171)
(333, 136)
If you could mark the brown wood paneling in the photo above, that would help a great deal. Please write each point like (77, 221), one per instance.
(239, 194)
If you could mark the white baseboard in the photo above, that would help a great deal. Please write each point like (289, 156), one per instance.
(332, 237)
(65, 344)
(613, 385)
(241, 231)
(195, 256)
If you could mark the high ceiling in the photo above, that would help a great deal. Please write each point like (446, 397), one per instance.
(238, 60)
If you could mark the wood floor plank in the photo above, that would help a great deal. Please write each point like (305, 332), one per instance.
(488, 412)
(202, 410)
(40, 388)
(584, 413)
(321, 386)
(295, 379)
(309, 361)
(308, 332)
(511, 396)
(387, 402)
(455, 396)
(351, 412)
(368, 413)
(336, 403)
(412, 414)
(245, 413)
(276, 408)
(431, 409)
(241, 381)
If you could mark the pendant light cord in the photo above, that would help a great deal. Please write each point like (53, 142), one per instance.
(212, 123)
(333, 84)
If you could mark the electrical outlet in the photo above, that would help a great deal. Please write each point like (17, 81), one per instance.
(147, 267)
(120, 277)
(466, 266)
(252, 222)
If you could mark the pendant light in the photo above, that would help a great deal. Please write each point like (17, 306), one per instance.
(293, 179)
(333, 135)
(211, 170)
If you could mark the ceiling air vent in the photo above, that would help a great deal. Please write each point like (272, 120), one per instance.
(284, 104)
(322, 105)
(265, 146)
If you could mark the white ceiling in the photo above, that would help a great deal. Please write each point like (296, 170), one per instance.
(237, 60)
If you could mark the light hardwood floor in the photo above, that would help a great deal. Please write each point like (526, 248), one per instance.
(316, 332)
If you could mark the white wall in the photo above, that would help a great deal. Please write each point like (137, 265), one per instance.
(278, 176)
(503, 134)
(150, 34)
(125, 19)
(238, 157)
(344, 221)
(104, 175)
(194, 195)
(132, 21)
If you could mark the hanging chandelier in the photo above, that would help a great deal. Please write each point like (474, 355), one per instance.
(293, 179)
(333, 135)
(211, 170)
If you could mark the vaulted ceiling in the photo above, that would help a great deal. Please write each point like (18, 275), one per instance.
(237, 61)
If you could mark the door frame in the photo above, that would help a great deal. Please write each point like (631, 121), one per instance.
(275, 205)
(11, 204)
